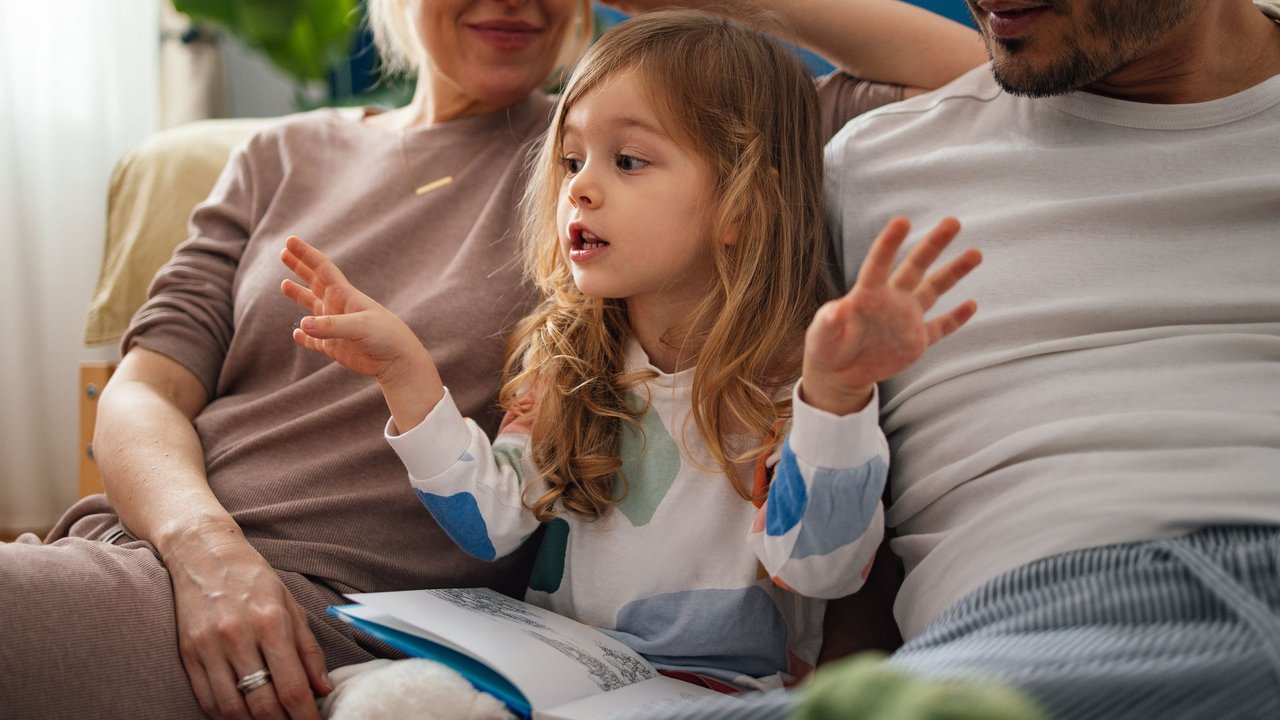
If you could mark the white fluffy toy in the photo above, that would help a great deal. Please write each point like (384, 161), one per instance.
(417, 688)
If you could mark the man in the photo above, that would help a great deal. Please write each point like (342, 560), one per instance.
(1084, 490)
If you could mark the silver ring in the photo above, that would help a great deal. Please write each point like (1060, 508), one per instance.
(253, 681)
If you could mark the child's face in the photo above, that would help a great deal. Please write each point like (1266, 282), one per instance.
(634, 213)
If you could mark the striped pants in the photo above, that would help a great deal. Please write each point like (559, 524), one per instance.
(1182, 628)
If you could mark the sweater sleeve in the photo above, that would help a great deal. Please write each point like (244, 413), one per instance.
(818, 531)
(842, 97)
(471, 486)
(190, 312)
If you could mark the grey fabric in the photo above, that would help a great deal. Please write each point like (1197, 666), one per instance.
(1182, 628)
(1175, 628)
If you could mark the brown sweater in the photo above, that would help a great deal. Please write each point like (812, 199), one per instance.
(292, 441)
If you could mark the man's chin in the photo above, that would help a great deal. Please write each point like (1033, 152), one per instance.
(1019, 76)
(1028, 85)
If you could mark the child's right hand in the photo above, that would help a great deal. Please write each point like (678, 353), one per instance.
(360, 334)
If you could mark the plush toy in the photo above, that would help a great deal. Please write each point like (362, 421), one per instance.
(417, 688)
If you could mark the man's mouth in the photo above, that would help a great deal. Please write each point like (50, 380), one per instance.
(1012, 18)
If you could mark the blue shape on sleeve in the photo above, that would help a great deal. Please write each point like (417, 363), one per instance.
(787, 495)
(460, 517)
(842, 504)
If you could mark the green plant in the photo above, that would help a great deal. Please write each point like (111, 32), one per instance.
(303, 38)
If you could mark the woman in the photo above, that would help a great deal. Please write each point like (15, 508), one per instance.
(249, 483)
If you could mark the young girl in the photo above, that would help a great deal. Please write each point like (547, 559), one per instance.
(698, 502)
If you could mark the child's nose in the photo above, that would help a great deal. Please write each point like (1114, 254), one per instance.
(582, 192)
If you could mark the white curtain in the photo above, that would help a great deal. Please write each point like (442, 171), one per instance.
(78, 87)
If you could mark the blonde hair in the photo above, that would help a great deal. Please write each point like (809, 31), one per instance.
(748, 108)
(396, 35)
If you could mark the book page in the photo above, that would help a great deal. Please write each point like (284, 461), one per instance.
(552, 659)
(651, 693)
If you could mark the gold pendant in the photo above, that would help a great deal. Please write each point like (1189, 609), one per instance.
(433, 185)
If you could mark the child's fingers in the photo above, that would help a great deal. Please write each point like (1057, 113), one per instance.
(878, 264)
(302, 296)
(944, 325)
(315, 264)
(943, 280)
(350, 326)
(306, 341)
(925, 253)
(292, 260)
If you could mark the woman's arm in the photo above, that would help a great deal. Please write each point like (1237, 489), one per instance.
(882, 40)
(234, 615)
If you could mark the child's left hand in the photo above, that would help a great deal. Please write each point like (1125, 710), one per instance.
(878, 329)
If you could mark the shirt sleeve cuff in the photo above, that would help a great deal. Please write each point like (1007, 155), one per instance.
(435, 444)
(826, 440)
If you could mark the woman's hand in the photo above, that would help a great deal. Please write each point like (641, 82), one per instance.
(235, 618)
(361, 335)
(878, 329)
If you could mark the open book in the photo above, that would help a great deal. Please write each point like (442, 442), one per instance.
(542, 665)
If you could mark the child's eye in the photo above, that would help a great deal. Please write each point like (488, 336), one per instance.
(628, 163)
(572, 166)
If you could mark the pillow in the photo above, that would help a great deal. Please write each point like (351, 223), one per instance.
(152, 192)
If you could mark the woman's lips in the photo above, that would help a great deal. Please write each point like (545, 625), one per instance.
(506, 34)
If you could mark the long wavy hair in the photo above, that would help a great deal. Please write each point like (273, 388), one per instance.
(747, 107)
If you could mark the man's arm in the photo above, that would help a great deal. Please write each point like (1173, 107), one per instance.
(882, 40)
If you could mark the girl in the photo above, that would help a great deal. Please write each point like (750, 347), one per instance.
(698, 502)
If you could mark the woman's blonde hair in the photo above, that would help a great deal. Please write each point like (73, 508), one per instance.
(396, 35)
(748, 108)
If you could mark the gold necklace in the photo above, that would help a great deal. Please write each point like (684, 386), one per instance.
(434, 184)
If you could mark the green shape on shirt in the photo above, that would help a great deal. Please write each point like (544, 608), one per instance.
(510, 455)
(650, 462)
(548, 567)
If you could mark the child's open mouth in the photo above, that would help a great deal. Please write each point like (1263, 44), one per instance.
(583, 243)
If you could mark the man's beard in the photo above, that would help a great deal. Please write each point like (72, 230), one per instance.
(1074, 70)
(1130, 28)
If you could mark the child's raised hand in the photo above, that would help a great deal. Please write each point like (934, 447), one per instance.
(358, 333)
(878, 328)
